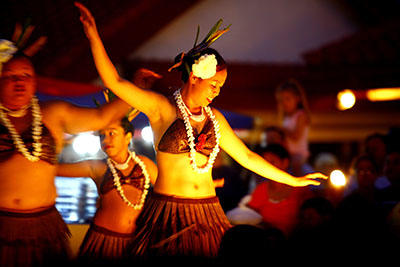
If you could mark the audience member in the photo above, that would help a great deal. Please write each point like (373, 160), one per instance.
(278, 204)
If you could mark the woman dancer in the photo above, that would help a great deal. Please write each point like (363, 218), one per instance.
(32, 231)
(183, 215)
(123, 181)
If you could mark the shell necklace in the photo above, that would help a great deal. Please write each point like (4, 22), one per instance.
(36, 132)
(122, 166)
(118, 185)
(189, 131)
(198, 118)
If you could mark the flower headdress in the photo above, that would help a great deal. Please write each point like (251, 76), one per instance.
(18, 43)
(206, 60)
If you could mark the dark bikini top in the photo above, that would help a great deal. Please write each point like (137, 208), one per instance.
(135, 178)
(175, 139)
(7, 147)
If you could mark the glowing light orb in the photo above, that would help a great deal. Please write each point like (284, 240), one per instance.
(337, 178)
(147, 134)
(86, 143)
(346, 99)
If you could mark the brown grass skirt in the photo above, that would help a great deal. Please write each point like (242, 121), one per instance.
(33, 239)
(101, 245)
(170, 226)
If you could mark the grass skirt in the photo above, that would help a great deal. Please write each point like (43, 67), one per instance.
(33, 239)
(103, 245)
(170, 226)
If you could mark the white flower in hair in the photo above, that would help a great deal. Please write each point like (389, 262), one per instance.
(7, 50)
(205, 67)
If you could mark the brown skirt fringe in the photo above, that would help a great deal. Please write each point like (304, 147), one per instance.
(33, 239)
(170, 226)
(101, 245)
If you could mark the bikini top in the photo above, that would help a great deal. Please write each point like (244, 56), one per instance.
(175, 140)
(135, 178)
(7, 147)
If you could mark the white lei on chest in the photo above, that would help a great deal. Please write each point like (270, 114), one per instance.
(36, 132)
(189, 131)
(118, 185)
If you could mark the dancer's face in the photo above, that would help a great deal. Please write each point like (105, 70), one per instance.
(205, 90)
(114, 140)
(17, 83)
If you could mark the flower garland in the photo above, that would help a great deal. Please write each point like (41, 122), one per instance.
(36, 132)
(117, 181)
(189, 132)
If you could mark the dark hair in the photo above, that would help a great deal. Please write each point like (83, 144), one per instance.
(380, 136)
(275, 149)
(293, 86)
(127, 126)
(275, 129)
(322, 205)
(18, 55)
(364, 158)
(188, 61)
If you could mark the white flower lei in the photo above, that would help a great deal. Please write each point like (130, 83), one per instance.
(36, 132)
(189, 132)
(117, 181)
(205, 67)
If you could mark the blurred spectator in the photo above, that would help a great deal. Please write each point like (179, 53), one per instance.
(375, 146)
(234, 187)
(277, 203)
(295, 120)
(314, 226)
(272, 135)
(390, 195)
(248, 244)
(360, 220)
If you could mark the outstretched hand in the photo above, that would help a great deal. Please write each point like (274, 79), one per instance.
(87, 19)
(309, 179)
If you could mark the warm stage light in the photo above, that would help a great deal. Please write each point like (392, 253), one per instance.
(346, 99)
(147, 134)
(337, 178)
(383, 94)
(86, 143)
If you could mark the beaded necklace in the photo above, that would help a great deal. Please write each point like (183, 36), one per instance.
(118, 185)
(36, 132)
(189, 132)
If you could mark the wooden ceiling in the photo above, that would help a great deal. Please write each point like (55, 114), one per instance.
(369, 58)
(123, 24)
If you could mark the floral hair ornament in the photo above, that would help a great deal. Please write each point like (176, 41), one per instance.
(207, 61)
(18, 41)
(7, 50)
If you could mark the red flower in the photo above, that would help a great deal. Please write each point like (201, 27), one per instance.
(201, 140)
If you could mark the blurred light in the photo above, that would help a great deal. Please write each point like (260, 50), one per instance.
(86, 143)
(337, 178)
(383, 94)
(346, 99)
(147, 134)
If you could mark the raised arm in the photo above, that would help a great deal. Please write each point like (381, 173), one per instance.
(87, 168)
(73, 119)
(148, 102)
(232, 145)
